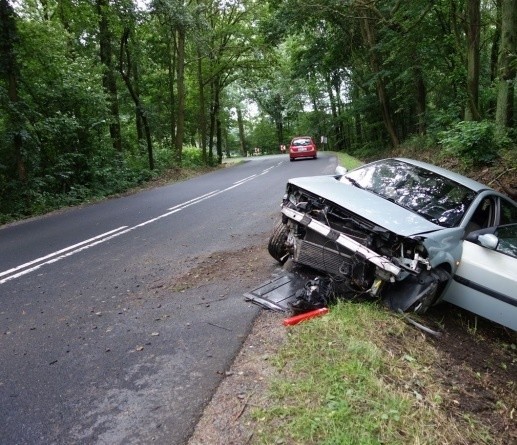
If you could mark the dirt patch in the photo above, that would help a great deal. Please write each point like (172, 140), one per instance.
(244, 266)
(477, 365)
(478, 368)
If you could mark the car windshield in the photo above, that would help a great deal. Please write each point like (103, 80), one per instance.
(433, 196)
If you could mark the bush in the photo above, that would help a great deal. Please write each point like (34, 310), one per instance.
(473, 143)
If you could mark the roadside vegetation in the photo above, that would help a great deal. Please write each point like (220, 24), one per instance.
(362, 375)
(99, 96)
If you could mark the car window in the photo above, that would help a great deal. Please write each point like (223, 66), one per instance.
(508, 212)
(435, 197)
(483, 217)
(302, 142)
(507, 240)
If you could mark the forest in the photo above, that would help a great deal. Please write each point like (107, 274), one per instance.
(97, 96)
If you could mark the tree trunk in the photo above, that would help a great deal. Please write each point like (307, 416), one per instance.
(202, 107)
(211, 131)
(140, 132)
(421, 98)
(369, 38)
(171, 67)
(219, 135)
(9, 70)
(473, 36)
(496, 43)
(507, 70)
(180, 81)
(242, 137)
(125, 61)
(217, 120)
(334, 111)
(108, 80)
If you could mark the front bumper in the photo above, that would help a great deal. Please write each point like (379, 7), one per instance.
(381, 262)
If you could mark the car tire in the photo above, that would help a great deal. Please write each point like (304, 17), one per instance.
(441, 278)
(291, 159)
(277, 243)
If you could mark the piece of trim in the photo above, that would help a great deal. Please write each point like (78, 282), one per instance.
(485, 290)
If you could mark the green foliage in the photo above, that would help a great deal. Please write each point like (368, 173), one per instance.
(339, 384)
(264, 136)
(318, 75)
(473, 143)
(192, 157)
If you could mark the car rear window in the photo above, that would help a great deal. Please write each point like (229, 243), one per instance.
(301, 142)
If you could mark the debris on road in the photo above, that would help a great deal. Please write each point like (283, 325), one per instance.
(305, 316)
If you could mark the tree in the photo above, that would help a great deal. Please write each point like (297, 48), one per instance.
(473, 35)
(125, 66)
(9, 72)
(507, 64)
(108, 80)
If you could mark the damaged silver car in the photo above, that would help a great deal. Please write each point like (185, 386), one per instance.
(395, 229)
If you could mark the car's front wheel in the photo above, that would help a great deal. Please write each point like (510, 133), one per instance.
(440, 279)
(277, 247)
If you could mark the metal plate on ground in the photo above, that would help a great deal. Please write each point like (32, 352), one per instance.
(276, 293)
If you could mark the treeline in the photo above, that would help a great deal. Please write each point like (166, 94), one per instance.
(393, 70)
(99, 95)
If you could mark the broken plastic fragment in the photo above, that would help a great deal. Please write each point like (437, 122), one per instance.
(305, 316)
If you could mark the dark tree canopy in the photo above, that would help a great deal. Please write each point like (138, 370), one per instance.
(100, 95)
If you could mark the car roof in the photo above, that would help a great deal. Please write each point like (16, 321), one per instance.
(460, 179)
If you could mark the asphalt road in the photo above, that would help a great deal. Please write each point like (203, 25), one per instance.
(87, 355)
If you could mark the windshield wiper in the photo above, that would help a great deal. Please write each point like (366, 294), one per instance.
(354, 182)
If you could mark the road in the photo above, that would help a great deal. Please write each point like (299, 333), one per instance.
(99, 344)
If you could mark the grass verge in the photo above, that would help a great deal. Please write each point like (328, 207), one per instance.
(360, 375)
(348, 161)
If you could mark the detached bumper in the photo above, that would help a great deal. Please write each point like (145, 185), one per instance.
(348, 243)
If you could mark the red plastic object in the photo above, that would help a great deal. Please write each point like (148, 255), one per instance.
(311, 314)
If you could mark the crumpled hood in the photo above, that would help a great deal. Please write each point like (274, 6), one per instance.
(366, 204)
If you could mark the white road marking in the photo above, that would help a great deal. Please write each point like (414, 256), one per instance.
(245, 179)
(194, 200)
(83, 245)
(60, 254)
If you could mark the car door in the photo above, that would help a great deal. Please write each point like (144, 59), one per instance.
(485, 282)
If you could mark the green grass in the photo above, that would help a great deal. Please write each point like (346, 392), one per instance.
(348, 161)
(358, 375)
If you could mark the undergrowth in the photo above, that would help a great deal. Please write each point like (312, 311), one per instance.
(359, 376)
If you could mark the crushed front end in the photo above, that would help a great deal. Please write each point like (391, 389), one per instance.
(354, 251)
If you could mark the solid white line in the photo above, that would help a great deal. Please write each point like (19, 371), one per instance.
(68, 251)
(37, 260)
(65, 255)
(245, 179)
(193, 200)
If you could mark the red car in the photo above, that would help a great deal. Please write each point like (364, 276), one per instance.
(302, 147)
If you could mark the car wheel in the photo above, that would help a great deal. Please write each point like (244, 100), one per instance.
(277, 243)
(440, 278)
(291, 159)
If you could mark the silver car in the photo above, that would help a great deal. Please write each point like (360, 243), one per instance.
(407, 232)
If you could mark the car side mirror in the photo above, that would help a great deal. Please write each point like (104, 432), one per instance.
(488, 240)
(340, 170)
